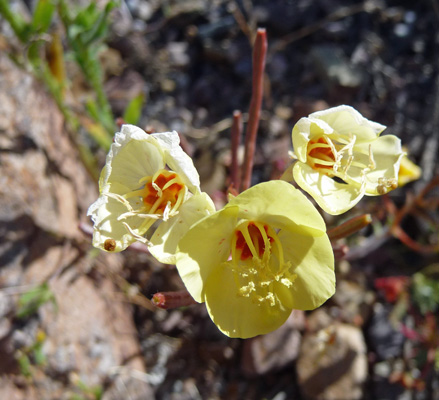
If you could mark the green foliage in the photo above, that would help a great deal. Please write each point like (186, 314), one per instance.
(88, 392)
(425, 293)
(90, 25)
(29, 357)
(31, 301)
(42, 17)
(134, 110)
(18, 24)
(24, 365)
(86, 29)
(85, 32)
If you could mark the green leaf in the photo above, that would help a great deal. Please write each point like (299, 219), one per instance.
(43, 15)
(425, 293)
(87, 16)
(100, 25)
(24, 364)
(134, 109)
(31, 301)
(20, 27)
(38, 354)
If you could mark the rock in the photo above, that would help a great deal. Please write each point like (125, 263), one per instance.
(318, 320)
(332, 364)
(274, 350)
(45, 192)
(384, 338)
(353, 301)
(129, 385)
(333, 67)
(178, 54)
(12, 390)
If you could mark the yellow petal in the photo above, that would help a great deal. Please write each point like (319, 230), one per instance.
(238, 316)
(347, 121)
(104, 212)
(177, 160)
(166, 237)
(280, 205)
(203, 248)
(132, 156)
(333, 197)
(408, 171)
(313, 263)
(387, 154)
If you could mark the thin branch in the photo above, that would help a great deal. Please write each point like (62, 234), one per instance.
(167, 300)
(236, 134)
(349, 227)
(259, 55)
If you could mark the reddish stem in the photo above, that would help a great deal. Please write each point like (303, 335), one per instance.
(167, 300)
(409, 207)
(259, 55)
(236, 140)
(399, 233)
(349, 227)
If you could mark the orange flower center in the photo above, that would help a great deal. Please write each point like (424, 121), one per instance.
(257, 262)
(161, 191)
(257, 242)
(321, 154)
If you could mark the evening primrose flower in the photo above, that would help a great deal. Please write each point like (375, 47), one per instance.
(341, 158)
(148, 184)
(257, 259)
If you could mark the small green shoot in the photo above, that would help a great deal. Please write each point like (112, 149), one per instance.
(31, 301)
(134, 110)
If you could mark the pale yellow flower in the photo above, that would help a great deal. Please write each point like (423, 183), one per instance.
(257, 259)
(149, 185)
(341, 157)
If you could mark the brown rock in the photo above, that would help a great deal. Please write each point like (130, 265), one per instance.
(332, 364)
(275, 350)
(45, 191)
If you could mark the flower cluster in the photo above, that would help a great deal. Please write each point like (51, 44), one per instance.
(264, 253)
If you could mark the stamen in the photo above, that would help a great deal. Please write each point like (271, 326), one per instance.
(135, 235)
(249, 242)
(334, 155)
(386, 185)
(161, 196)
(257, 261)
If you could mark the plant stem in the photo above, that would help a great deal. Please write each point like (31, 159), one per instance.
(349, 227)
(18, 25)
(259, 55)
(236, 139)
(167, 300)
